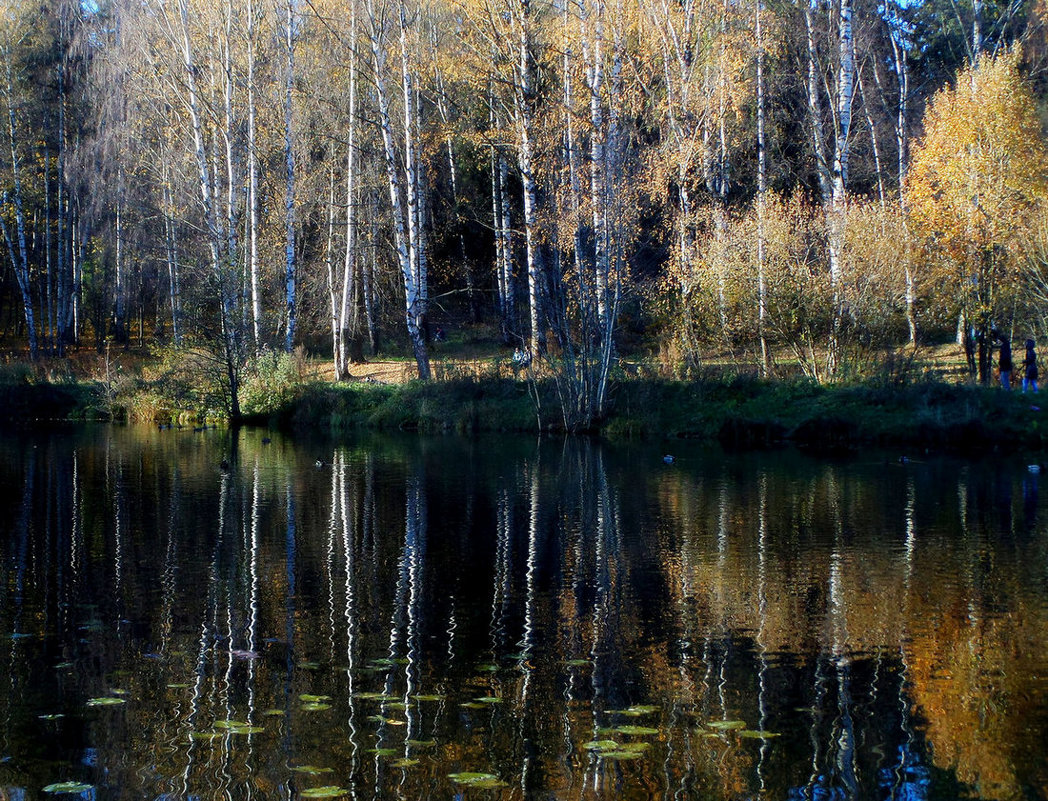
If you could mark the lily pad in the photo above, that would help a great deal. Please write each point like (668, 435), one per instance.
(727, 725)
(63, 666)
(601, 745)
(68, 787)
(382, 751)
(620, 755)
(427, 698)
(422, 743)
(312, 770)
(487, 667)
(639, 710)
(407, 762)
(480, 780)
(324, 792)
(399, 706)
(180, 686)
(274, 713)
(55, 716)
(387, 721)
(752, 734)
(472, 705)
(374, 696)
(247, 730)
(314, 699)
(314, 706)
(105, 701)
(238, 727)
(578, 663)
(641, 730)
(488, 699)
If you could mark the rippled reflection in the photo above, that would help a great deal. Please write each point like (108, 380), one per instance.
(423, 618)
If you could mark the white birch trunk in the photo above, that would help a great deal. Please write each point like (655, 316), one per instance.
(21, 263)
(525, 113)
(815, 110)
(329, 264)
(762, 199)
(252, 184)
(290, 277)
(350, 287)
(395, 182)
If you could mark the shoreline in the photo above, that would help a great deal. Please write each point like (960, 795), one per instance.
(742, 413)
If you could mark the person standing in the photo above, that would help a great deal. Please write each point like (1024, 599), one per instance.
(1004, 364)
(1030, 367)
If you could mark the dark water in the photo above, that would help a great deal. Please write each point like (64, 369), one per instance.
(578, 622)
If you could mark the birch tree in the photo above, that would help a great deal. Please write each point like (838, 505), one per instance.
(975, 184)
(290, 267)
(13, 33)
(402, 180)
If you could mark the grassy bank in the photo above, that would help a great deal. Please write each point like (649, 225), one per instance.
(741, 412)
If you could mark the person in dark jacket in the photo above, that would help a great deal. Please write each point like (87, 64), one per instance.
(1030, 367)
(1004, 364)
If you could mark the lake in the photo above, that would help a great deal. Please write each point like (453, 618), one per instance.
(200, 615)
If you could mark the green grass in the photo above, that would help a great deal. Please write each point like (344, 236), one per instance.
(739, 411)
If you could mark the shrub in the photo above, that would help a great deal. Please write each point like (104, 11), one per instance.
(270, 383)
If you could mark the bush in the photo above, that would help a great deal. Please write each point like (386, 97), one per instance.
(271, 383)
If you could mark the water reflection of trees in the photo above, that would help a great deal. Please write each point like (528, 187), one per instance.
(872, 627)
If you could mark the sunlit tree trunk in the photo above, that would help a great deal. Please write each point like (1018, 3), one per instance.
(290, 269)
(762, 198)
(348, 347)
(404, 219)
(252, 183)
(525, 112)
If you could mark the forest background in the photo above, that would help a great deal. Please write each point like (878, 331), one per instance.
(813, 187)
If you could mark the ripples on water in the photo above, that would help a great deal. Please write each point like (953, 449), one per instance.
(419, 618)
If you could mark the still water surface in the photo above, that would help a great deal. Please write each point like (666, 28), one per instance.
(446, 618)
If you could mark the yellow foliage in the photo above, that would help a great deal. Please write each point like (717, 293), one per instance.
(980, 169)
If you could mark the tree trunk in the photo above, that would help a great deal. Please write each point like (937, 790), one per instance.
(525, 112)
(290, 276)
(762, 197)
(349, 348)
(252, 184)
(403, 220)
(21, 264)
